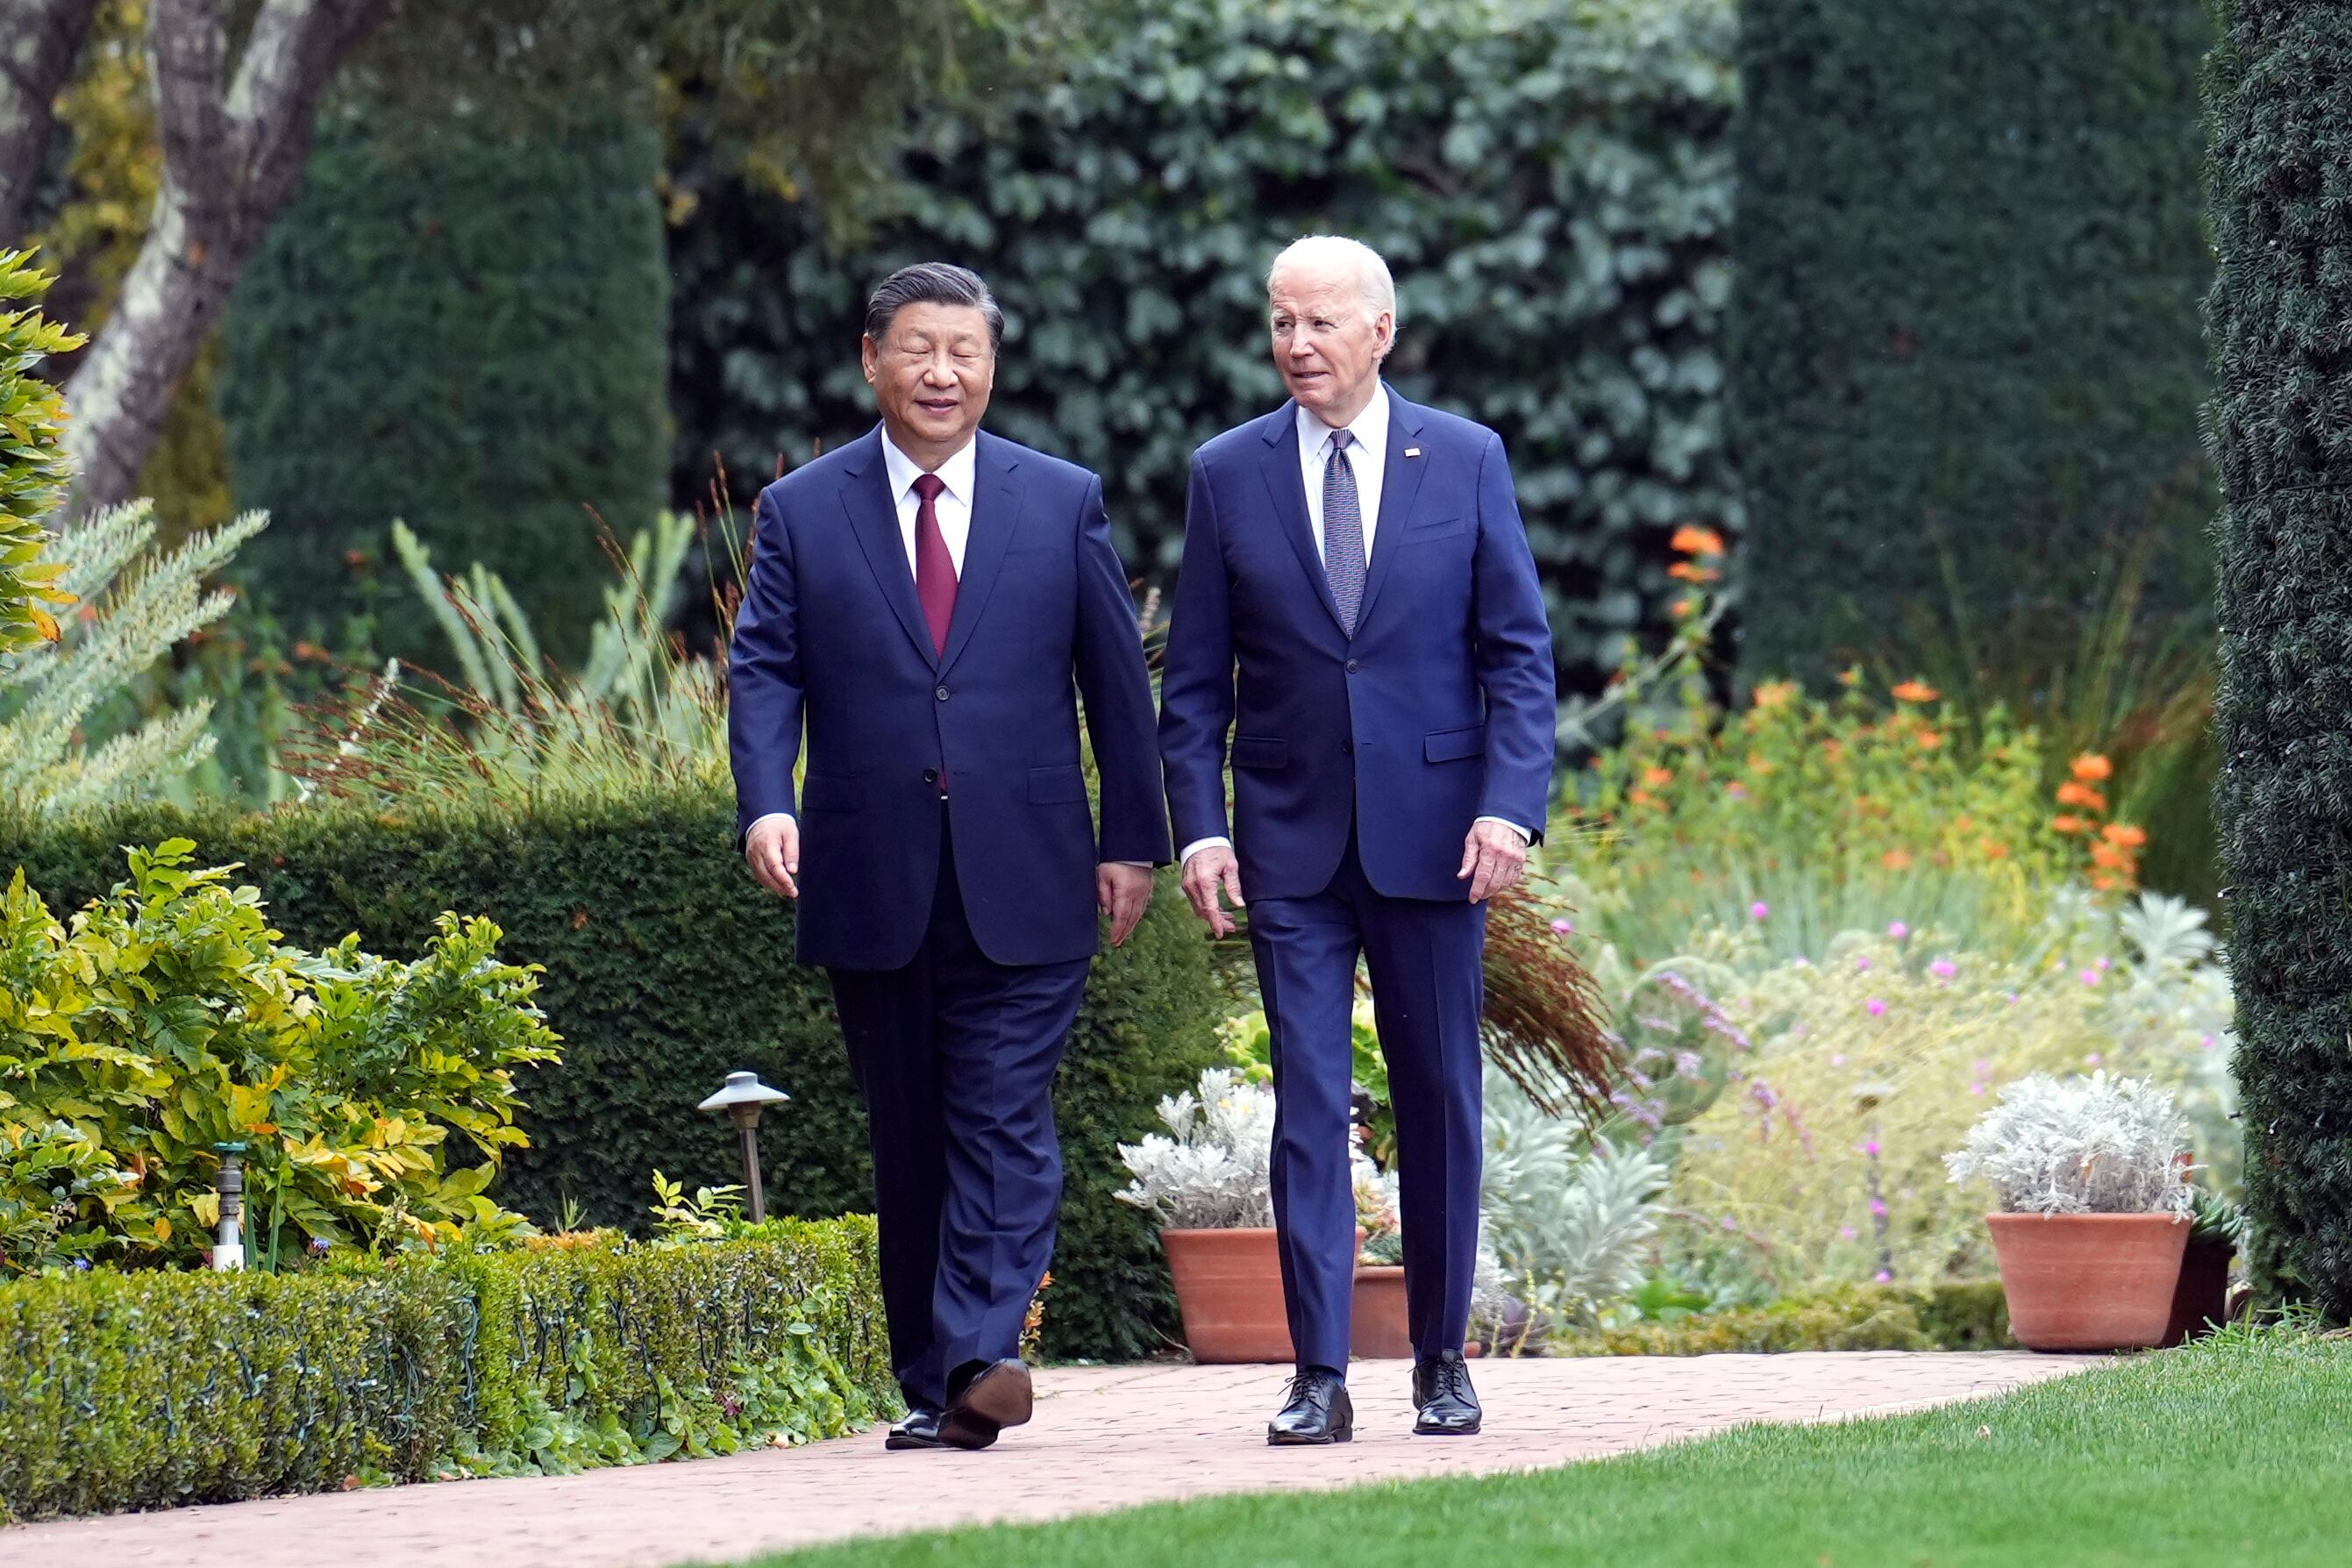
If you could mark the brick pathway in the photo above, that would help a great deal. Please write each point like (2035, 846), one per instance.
(1104, 1437)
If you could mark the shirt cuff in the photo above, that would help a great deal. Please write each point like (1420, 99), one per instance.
(1216, 841)
(1139, 865)
(771, 817)
(1526, 837)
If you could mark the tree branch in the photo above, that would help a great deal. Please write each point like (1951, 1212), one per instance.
(40, 42)
(185, 45)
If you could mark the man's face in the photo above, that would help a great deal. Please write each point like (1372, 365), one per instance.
(1326, 345)
(931, 374)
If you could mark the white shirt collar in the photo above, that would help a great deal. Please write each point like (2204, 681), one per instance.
(957, 473)
(1370, 429)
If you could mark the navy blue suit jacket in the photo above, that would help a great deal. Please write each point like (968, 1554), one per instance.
(831, 635)
(1439, 709)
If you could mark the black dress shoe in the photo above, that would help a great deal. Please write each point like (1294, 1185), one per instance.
(919, 1429)
(1318, 1411)
(1442, 1391)
(997, 1396)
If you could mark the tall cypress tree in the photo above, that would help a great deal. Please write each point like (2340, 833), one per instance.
(2279, 319)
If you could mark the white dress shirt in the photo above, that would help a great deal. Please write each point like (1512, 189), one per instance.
(952, 507)
(1367, 455)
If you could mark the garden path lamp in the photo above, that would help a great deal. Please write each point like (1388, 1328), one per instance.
(743, 1097)
(229, 1246)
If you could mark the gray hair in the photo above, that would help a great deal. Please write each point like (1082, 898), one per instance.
(1338, 251)
(932, 283)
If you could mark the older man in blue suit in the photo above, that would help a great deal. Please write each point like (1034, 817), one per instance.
(923, 601)
(1358, 606)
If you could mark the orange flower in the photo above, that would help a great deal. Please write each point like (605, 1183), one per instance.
(1642, 797)
(1657, 775)
(2123, 836)
(1692, 540)
(2073, 794)
(1930, 739)
(2113, 858)
(1994, 849)
(1915, 690)
(1691, 571)
(1682, 608)
(2093, 768)
(1772, 694)
(1897, 859)
(1850, 676)
(2067, 823)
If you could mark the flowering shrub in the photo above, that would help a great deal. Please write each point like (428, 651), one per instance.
(166, 1018)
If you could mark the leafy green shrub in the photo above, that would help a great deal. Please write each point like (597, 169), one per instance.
(1966, 1315)
(1965, 358)
(665, 967)
(156, 1389)
(458, 322)
(168, 1018)
(1551, 184)
(2280, 152)
(33, 467)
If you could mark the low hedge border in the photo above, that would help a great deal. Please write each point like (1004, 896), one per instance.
(1969, 1315)
(152, 1389)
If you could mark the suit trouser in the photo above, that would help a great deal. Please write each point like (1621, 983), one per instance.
(1428, 991)
(954, 1055)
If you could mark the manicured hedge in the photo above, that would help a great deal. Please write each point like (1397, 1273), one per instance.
(1552, 183)
(666, 969)
(1971, 1315)
(1965, 364)
(151, 1390)
(2282, 160)
(460, 325)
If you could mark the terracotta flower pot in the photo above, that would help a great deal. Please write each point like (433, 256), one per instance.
(1229, 1289)
(2202, 1297)
(2089, 1281)
(1376, 1327)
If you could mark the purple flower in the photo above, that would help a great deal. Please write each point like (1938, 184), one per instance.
(1876, 1007)
(1846, 1231)
(1800, 961)
(2012, 997)
(1759, 909)
(1878, 1208)
(1870, 1148)
(2206, 1041)
(1837, 1059)
(1943, 968)
(1730, 1223)
(2089, 977)
(1899, 931)
(1883, 1278)
(1977, 1088)
(2092, 1060)
(1564, 926)
(2103, 967)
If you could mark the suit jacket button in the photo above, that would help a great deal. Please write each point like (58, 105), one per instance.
(941, 694)
(1351, 667)
(930, 775)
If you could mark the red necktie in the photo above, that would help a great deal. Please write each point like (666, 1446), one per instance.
(935, 574)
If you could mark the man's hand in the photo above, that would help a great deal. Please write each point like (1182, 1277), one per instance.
(773, 849)
(1208, 873)
(1122, 892)
(1493, 857)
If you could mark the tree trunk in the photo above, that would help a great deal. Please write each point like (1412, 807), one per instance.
(39, 41)
(230, 163)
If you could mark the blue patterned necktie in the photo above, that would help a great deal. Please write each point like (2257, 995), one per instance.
(1343, 532)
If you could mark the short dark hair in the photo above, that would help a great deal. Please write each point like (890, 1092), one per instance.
(932, 283)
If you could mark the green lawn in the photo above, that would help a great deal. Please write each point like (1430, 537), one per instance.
(2229, 1453)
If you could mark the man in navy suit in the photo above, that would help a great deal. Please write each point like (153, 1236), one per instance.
(924, 601)
(1358, 604)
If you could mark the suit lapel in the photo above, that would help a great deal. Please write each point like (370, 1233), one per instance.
(997, 486)
(874, 519)
(1285, 483)
(1400, 483)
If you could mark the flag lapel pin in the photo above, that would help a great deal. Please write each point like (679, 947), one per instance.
(1412, 452)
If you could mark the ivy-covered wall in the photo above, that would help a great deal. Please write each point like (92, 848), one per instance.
(1551, 183)
(2282, 162)
(462, 327)
(1966, 363)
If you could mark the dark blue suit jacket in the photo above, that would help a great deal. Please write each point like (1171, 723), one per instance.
(831, 634)
(1440, 709)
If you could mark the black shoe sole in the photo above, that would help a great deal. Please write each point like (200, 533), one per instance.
(1470, 1431)
(905, 1442)
(1293, 1440)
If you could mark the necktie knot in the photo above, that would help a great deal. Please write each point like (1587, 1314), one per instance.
(1339, 439)
(928, 486)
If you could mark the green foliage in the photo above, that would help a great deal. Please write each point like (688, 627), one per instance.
(159, 1389)
(143, 605)
(33, 468)
(1968, 1315)
(168, 1018)
(460, 323)
(665, 968)
(1550, 181)
(2280, 151)
(1965, 365)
